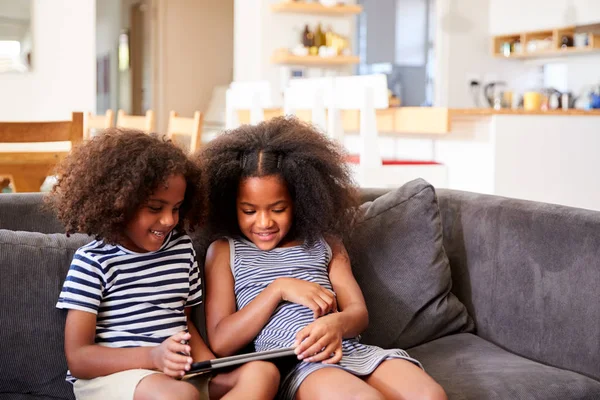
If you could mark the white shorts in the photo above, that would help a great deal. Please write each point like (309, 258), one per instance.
(121, 385)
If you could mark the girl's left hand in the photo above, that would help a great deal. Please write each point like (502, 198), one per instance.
(320, 341)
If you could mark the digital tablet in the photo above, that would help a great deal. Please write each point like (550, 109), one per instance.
(224, 362)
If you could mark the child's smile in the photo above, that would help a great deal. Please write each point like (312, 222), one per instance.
(265, 210)
(155, 219)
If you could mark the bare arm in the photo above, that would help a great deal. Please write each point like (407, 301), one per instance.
(200, 350)
(322, 338)
(353, 315)
(230, 330)
(88, 360)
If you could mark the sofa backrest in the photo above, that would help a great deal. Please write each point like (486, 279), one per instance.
(25, 212)
(33, 267)
(528, 274)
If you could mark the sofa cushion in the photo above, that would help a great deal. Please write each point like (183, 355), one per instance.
(32, 269)
(399, 262)
(469, 367)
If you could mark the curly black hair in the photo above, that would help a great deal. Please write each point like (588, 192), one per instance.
(312, 166)
(103, 181)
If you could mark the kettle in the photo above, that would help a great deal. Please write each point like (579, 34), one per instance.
(490, 94)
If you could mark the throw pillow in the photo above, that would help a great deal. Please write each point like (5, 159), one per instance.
(400, 264)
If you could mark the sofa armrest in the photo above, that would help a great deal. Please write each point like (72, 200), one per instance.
(529, 274)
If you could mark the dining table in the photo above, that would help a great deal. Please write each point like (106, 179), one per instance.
(28, 164)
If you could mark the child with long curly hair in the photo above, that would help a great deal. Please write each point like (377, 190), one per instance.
(129, 293)
(280, 197)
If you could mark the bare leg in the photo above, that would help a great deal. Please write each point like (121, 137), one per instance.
(254, 380)
(334, 383)
(402, 380)
(163, 387)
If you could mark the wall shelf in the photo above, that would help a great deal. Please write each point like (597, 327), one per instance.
(544, 44)
(301, 7)
(281, 57)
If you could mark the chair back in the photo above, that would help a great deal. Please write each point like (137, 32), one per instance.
(43, 131)
(140, 122)
(30, 150)
(97, 122)
(253, 96)
(184, 126)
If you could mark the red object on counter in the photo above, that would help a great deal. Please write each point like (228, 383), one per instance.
(355, 159)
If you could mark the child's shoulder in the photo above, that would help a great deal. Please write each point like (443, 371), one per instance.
(218, 249)
(178, 239)
(221, 244)
(96, 248)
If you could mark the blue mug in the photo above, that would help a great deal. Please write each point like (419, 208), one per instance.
(594, 100)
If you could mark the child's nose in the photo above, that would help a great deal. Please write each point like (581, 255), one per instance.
(167, 219)
(264, 220)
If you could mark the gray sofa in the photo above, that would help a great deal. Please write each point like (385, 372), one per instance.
(522, 320)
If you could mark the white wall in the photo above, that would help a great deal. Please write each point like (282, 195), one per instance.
(508, 16)
(63, 76)
(463, 53)
(195, 54)
(108, 27)
(247, 40)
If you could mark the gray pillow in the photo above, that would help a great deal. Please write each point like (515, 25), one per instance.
(33, 267)
(400, 264)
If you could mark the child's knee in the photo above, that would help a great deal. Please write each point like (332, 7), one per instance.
(263, 371)
(182, 390)
(434, 392)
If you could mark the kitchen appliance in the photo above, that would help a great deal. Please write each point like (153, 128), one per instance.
(493, 95)
(567, 100)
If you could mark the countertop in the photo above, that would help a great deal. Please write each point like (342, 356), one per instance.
(419, 120)
(491, 111)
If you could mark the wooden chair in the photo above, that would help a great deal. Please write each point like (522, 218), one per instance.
(183, 126)
(140, 122)
(97, 122)
(323, 101)
(244, 97)
(368, 93)
(29, 150)
(310, 101)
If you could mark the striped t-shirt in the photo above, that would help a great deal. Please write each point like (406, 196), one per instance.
(138, 298)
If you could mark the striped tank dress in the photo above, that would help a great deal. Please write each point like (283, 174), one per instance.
(254, 269)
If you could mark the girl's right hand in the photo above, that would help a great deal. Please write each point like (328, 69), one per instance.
(169, 358)
(312, 295)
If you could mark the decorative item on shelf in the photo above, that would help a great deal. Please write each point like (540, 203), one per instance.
(308, 38)
(517, 46)
(505, 50)
(581, 39)
(321, 43)
(566, 41)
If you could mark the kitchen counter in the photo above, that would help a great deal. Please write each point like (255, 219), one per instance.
(419, 120)
(491, 111)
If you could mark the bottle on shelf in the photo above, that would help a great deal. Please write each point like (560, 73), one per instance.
(319, 36)
(307, 37)
(566, 41)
